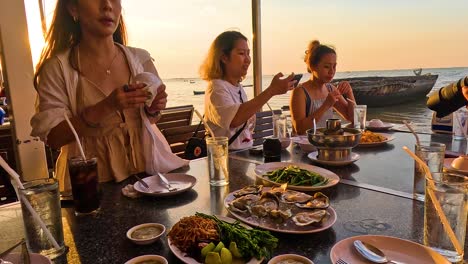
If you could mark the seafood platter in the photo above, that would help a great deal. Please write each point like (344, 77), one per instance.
(280, 209)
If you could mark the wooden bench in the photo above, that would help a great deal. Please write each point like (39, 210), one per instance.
(175, 117)
(263, 126)
(177, 137)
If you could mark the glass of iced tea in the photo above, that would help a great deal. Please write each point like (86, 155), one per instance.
(85, 184)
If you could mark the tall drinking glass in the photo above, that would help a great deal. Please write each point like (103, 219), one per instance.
(460, 124)
(451, 192)
(85, 185)
(218, 162)
(43, 195)
(433, 155)
(360, 112)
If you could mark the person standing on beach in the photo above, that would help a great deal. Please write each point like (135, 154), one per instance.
(86, 72)
(227, 110)
(317, 97)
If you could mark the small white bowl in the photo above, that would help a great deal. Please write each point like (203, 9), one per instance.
(34, 257)
(139, 259)
(290, 257)
(148, 240)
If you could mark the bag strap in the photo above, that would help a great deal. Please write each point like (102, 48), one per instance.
(198, 127)
(236, 135)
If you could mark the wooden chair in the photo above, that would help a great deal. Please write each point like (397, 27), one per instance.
(263, 126)
(177, 137)
(176, 117)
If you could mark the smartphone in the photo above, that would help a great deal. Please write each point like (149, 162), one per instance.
(297, 78)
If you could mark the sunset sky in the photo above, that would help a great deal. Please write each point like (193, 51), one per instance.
(368, 34)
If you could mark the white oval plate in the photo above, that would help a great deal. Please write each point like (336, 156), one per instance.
(313, 156)
(188, 260)
(262, 169)
(395, 248)
(287, 227)
(374, 144)
(385, 127)
(183, 182)
(140, 259)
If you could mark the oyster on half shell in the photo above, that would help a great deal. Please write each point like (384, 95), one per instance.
(309, 218)
(290, 196)
(282, 215)
(267, 203)
(242, 203)
(318, 201)
(251, 189)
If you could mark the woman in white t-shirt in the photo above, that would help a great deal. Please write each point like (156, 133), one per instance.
(227, 109)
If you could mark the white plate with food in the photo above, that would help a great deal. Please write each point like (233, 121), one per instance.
(335, 163)
(181, 181)
(396, 249)
(279, 210)
(304, 143)
(320, 178)
(378, 125)
(187, 238)
(371, 139)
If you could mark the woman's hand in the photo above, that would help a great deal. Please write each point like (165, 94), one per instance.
(332, 98)
(345, 89)
(159, 101)
(281, 86)
(129, 96)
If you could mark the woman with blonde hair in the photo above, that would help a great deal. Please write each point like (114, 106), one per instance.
(317, 97)
(228, 112)
(87, 73)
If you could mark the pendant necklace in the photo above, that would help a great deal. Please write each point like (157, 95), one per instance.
(108, 71)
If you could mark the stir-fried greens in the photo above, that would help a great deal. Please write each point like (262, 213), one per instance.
(293, 175)
(250, 242)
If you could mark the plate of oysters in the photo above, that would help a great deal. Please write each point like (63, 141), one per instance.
(281, 210)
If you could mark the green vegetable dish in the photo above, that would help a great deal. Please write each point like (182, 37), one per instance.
(293, 175)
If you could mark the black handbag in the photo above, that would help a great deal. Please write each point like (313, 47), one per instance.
(196, 147)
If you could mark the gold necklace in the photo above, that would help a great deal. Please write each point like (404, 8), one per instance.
(108, 70)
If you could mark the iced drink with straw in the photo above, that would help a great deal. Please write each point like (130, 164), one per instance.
(85, 186)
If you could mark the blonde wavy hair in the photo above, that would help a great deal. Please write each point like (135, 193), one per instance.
(212, 67)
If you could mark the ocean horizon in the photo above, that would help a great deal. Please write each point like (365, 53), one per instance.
(180, 92)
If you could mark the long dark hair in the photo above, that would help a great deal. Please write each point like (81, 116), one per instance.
(314, 53)
(64, 33)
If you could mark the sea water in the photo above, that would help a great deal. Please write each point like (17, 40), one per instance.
(180, 91)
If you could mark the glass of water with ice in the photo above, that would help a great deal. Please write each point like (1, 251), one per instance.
(433, 155)
(218, 160)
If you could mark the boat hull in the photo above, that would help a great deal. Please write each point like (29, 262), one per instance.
(384, 91)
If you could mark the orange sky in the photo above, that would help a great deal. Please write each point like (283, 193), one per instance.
(368, 34)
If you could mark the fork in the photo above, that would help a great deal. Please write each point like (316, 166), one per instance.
(340, 261)
(168, 185)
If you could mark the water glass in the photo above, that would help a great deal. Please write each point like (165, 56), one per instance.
(433, 155)
(85, 184)
(451, 192)
(218, 161)
(43, 195)
(279, 126)
(460, 124)
(360, 112)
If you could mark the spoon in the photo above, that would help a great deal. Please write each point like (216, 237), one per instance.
(168, 185)
(372, 253)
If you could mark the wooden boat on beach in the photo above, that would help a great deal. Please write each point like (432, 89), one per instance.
(384, 91)
(198, 92)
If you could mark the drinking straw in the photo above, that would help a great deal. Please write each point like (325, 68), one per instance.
(34, 214)
(76, 135)
(412, 131)
(204, 123)
(354, 103)
(271, 109)
(443, 218)
(315, 126)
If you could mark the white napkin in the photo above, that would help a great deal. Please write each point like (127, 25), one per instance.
(129, 191)
(152, 84)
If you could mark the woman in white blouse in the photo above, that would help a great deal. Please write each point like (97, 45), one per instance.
(227, 109)
(86, 72)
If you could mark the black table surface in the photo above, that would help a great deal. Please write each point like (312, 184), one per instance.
(375, 199)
